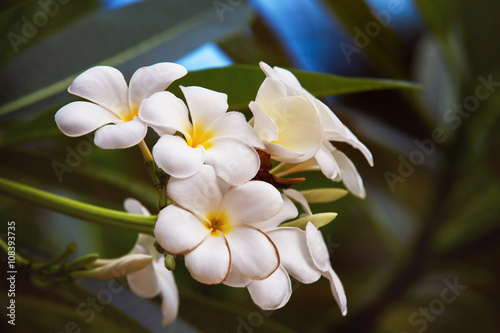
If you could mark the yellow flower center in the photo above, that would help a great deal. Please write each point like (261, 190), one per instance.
(199, 137)
(217, 222)
(134, 111)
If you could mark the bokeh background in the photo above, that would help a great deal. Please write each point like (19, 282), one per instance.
(420, 254)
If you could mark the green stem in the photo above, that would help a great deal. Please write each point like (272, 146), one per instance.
(69, 250)
(84, 211)
(19, 259)
(156, 174)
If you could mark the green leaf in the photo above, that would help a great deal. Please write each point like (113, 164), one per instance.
(241, 83)
(22, 23)
(146, 32)
(319, 220)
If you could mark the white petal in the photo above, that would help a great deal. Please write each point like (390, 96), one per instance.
(283, 154)
(121, 136)
(289, 79)
(199, 194)
(270, 92)
(273, 292)
(252, 252)
(317, 248)
(179, 231)
(234, 125)
(151, 79)
(166, 114)
(145, 245)
(263, 124)
(252, 202)
(176, 158)
(353, 141)
(169, 292)
(298, 197)
(350, 176)
(301, 138)
(289, 211)
(210, 262)
(268, 70)
(329, 120)
(335, 130)
(144, 282)
(327, 163)
(337, 290)
(205, 105)
(294, 253)
(295, 110)
(80, 118)
(233, 161)
(236, 279)
(133, 206)
(103, 85)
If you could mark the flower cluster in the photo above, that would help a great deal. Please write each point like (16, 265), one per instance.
(231, 214)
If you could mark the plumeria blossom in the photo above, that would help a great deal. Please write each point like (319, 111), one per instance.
(114, 106)
(288, 125)
(304, 256)
(221, 139)
(212, 225)
(153, 279)
(333, 163)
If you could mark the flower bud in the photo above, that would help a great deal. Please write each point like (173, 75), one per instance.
(117, 267)
(323, 195)
(169, 262)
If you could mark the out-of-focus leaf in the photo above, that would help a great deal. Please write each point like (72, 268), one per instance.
(29, 21)
(97, 182)
(241, 83)
(480, 31)
(66, 309)
(386, 51)
(41, 126)
(471, 221)
(219, 316)
(439, 15)
(140, 34)
(258, 43)
(444, 20)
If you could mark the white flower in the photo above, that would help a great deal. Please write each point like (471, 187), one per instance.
(288, 125)
(221, 139)
(154, 278)
(304, 255)
(333, 163)
(114, 108)
(212, 225)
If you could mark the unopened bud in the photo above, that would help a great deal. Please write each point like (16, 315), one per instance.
(322, 195)
(116, 267)
(318, 220)
(169, 262)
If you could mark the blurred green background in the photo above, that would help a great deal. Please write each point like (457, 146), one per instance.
(430, 220)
